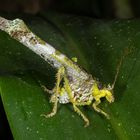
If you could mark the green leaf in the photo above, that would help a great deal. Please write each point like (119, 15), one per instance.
(98, 45)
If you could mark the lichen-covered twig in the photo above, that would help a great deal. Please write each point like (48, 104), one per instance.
(79, 88)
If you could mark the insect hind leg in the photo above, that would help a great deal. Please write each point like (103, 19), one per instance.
(77, 110)
(74, 103)
(50, 91)
(54, 97)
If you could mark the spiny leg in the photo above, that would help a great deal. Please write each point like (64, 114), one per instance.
(76, 109)
(59, 76)
(95, 104)
(45, 89)
(50, 91)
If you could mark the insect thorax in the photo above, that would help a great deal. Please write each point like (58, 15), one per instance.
(81, 91)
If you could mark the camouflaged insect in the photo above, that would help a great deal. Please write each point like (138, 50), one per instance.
(79, 87)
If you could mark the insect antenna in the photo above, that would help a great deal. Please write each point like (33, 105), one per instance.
(126, 52)
(117, 72)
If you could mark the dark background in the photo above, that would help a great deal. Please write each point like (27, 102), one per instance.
(92, 8)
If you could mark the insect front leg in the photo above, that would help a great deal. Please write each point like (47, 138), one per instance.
(95, 104)
(54, 97)
(74, 103)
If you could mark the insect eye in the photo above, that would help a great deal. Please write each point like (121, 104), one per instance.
(100, 86)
